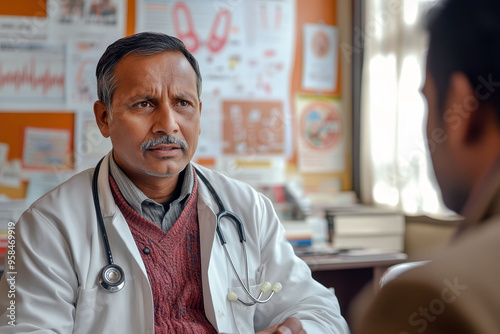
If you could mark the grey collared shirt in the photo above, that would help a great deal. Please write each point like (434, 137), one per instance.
(146, 207)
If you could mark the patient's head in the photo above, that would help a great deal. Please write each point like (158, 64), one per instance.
(462, 89)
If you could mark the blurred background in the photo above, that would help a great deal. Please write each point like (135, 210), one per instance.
(316, 103)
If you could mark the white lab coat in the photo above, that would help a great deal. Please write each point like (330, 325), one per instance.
(59, 254)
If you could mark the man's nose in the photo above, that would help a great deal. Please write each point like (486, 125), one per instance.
(165, 121)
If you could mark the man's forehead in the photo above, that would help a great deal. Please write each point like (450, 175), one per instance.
(140, 56)
(178, 63)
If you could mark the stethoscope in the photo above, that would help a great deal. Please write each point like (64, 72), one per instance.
(112, 277)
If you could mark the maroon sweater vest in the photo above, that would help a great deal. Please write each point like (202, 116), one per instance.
(172, 261)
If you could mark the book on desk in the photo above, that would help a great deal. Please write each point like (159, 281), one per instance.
(361, 227)
(349, 228)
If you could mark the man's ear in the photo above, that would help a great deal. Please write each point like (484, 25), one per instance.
(462, 104)
(102, 117)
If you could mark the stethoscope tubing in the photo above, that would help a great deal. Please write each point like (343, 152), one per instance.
(113, 286)
(224, 213)
(100, 219)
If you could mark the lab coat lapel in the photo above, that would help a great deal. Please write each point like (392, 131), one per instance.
(213, 264)
(113, 218)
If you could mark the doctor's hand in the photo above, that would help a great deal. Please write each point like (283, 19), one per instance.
(289, 326)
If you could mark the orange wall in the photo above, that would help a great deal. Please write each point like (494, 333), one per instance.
(23, 7)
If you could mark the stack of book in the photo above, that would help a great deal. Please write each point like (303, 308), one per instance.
(365, 227)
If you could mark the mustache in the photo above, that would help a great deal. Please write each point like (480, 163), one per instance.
(164, 140)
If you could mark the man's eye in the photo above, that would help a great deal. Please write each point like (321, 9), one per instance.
(184, 103)
(142, 104)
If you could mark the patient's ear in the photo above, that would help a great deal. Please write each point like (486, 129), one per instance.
(463, 104)
(102, 117)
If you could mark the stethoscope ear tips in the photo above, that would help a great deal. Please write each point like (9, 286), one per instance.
(112, 278)
(264, 287)
(231, 296)
(277, 287)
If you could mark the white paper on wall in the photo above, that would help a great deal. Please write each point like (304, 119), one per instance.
(21, 29)
(320, 57)
(91, 19)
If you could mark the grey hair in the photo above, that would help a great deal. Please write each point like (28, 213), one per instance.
(144, 44)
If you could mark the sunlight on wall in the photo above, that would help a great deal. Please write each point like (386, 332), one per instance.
(383, 193)
(384, 116)
(410, 13)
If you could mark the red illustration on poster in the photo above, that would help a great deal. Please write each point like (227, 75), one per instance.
(253, 127)
(321, 144)
(320, 126)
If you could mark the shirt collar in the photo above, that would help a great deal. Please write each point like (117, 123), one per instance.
(135, 197)
(484, 199)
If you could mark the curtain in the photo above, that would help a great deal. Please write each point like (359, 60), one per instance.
(396, 169)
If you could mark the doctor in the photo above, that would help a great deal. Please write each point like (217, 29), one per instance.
(160, 220)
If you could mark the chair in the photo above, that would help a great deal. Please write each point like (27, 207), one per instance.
(398, 269)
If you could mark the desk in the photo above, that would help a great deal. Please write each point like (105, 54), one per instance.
(348, 274)
(379, 262)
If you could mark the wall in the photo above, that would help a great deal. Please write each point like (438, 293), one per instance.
(329, 12)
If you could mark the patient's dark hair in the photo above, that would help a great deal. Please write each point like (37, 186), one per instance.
(465, 37)
(144, 44)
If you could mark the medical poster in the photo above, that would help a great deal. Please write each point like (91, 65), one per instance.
(46, 149)
(4, 153)
(245, 52)
(90, 144)
(86, 19)
(254, 169)
(320, 56)
(19, 29)
(81, 82)
(10, 174)
(321, 139)
(253, 128)
(32, 75)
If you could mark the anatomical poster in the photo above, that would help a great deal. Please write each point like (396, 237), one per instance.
(253, 128)
(321, 139)
(245, 52)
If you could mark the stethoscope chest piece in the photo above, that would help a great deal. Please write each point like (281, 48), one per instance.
(112, 278)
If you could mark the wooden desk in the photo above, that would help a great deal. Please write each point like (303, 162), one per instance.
(348, 275)
(379, 263)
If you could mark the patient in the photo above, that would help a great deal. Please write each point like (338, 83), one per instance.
(458, 291)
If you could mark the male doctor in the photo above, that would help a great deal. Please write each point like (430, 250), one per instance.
(160, 220)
